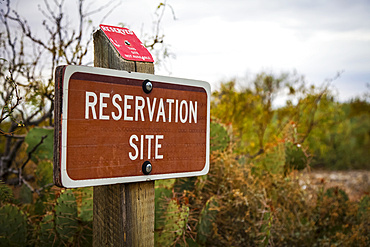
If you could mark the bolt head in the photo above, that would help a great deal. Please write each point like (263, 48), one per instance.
(148, 168)
(149, 86)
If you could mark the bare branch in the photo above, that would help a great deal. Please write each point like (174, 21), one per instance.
(9, 107)
(32, 151)
(312, 114)
(109, 11)
(102, 8)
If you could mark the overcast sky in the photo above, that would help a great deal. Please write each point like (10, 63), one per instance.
(215, 40)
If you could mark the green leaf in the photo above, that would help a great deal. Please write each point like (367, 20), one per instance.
(175, 224)
(6, 193)
(294, 157)
(13, 226)
(191, 243)
(85, 209)
(25, 195)
(363, 207)
(206, 219)
(45, 150)
(46, 236)
(219, 137)
(44, 173)
(183, 184)
(337, 193)
(163, 190)
(66, 215)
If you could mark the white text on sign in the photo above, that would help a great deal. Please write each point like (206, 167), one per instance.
(148, 139)
(135, 108)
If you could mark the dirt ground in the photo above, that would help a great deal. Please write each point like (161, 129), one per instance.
(354, 183)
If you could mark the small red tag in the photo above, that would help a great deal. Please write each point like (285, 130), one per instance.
(127, 44)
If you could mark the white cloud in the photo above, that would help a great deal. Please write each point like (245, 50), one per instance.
(218, 39)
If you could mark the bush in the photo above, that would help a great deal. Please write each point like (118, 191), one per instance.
(239, 204)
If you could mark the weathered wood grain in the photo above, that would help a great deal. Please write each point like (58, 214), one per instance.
(58, 102)
(123, 213)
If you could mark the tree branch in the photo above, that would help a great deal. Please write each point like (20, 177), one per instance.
(32, 151)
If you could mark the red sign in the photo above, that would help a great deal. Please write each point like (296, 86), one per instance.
(127, 44)
(113, 126)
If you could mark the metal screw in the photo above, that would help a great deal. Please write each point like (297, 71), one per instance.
(127, 43)
(147, 86)
(147, 167)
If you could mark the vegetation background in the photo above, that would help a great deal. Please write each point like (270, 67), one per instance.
(254, 194)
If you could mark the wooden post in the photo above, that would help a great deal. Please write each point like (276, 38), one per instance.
(123, 213)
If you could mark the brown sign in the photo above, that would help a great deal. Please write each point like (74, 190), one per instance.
(116, 127)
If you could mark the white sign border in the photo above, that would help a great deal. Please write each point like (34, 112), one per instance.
(69, 71)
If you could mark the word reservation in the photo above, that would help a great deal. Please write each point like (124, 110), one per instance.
(135, 108)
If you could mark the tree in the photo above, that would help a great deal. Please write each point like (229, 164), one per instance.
(34, 212)
(343, 141)
(27, 69)
(257, 124)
